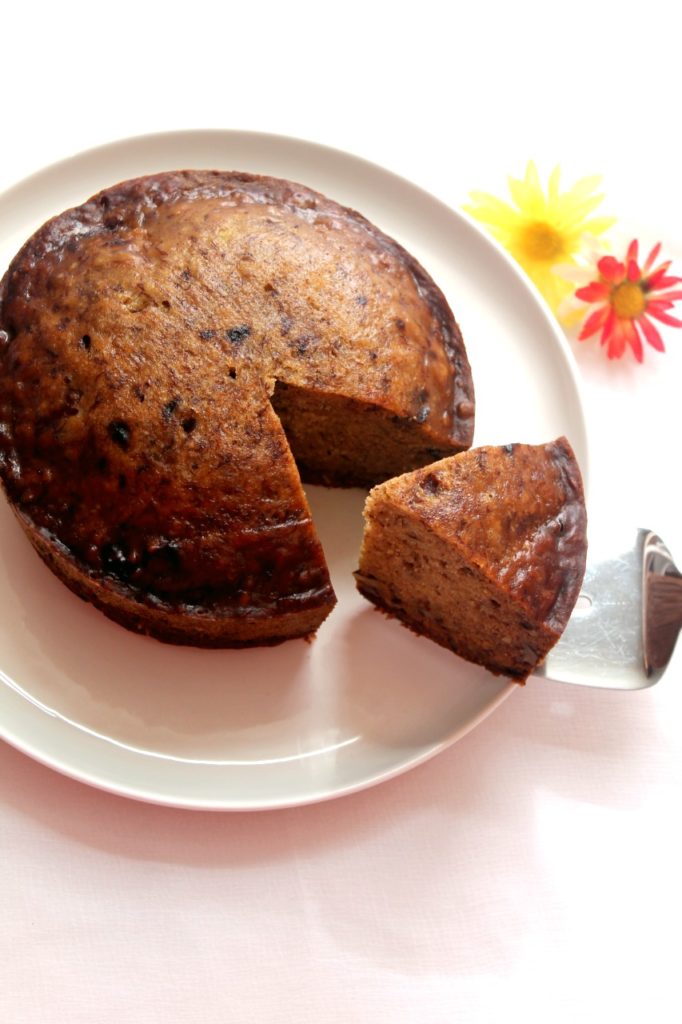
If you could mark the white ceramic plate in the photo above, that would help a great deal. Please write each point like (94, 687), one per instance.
(304, 721)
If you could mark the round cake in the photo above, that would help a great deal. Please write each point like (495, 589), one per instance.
(175, 355)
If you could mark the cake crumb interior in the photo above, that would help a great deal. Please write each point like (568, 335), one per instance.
(413, 574)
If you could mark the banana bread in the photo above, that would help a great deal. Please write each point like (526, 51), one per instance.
(174, 355)
(483, 552)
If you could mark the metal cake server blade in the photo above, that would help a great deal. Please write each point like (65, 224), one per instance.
(625, 623)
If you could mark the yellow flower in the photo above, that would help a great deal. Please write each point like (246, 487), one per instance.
(543, 231)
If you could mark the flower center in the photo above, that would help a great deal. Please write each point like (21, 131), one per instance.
(541, 241)
(628, 300)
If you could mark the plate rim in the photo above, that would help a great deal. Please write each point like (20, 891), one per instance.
(141, 793)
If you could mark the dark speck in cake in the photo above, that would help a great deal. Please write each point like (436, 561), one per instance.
(238, 334)
(119, 432)
(431, 483)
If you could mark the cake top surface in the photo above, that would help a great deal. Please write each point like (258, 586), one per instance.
(265, 270)
(516, 512)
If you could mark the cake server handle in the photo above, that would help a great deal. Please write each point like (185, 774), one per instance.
(663, 615)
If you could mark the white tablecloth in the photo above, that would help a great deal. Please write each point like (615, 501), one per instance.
(531, 872)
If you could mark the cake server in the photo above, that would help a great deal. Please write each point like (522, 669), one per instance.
(625, 623)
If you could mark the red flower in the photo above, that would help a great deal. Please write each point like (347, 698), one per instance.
(629, 297)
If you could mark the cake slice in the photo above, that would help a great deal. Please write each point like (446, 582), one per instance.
(483, 552)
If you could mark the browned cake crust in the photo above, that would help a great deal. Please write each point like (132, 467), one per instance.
(484, 552)
(145, 338)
